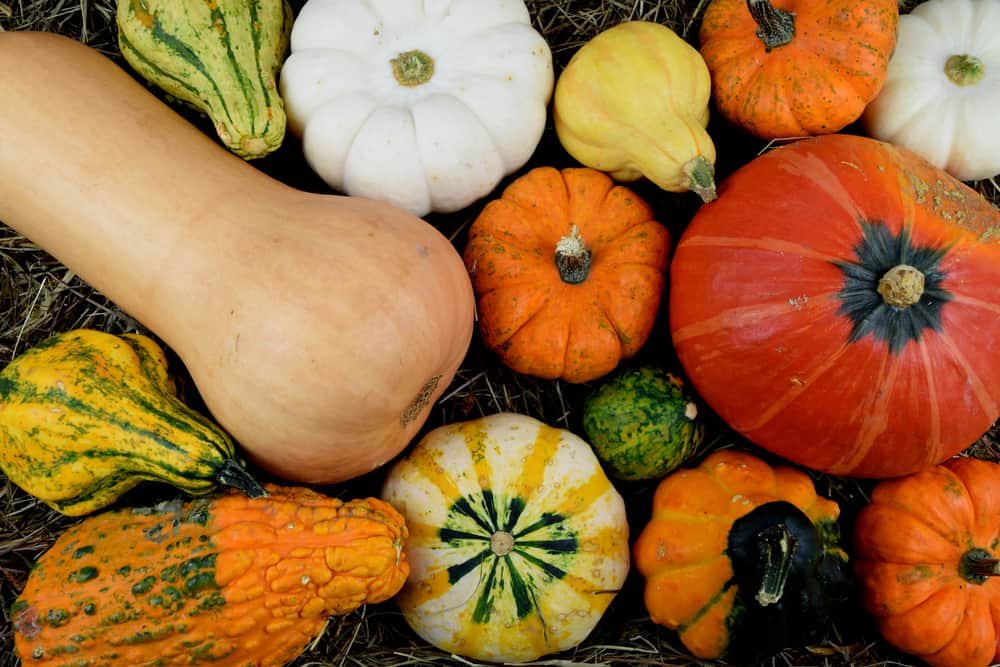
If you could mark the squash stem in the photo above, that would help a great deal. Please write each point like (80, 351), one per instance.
(978, 565)
(901, 286)
(412, 68)
(702, 175)
(777, 549)
(234, 475)
(964, 70)
(775, 27)
(573, 257)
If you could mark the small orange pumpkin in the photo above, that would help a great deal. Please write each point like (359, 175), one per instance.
(783, 68)
(928, 559)
(568, 270)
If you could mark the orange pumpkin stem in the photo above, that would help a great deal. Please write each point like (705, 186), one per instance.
(573, 257)
(777, 550)
(902, 286)
(775, 27)
(978, 565)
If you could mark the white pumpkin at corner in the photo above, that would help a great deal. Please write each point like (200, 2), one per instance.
(518, 541)
(426, 104)
(942, 92)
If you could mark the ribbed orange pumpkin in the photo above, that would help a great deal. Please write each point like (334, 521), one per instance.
(928, 558)
(787, 68)
(839, 305)
(231, 580)
(568, 270)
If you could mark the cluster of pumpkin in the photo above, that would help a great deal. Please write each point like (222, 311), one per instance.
(834, 303)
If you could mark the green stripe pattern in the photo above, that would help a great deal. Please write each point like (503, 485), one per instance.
(220, 57)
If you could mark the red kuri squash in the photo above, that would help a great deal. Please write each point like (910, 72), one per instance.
(838, 305)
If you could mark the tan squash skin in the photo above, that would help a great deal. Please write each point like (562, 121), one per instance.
(318, 329)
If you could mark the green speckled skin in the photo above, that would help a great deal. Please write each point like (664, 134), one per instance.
(642, 423)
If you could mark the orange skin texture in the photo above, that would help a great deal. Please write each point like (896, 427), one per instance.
(908, 543)
(817, 83)
(537, 323)
(682, 550)
(755, 299)
(282, 565)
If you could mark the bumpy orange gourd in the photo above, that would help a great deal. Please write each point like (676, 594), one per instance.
(928, 558)
(236, 580)
(783, 68)
(568, 270)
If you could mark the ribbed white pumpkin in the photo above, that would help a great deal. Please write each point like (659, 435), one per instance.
(942, 92)
(426, 104)
(518, 541)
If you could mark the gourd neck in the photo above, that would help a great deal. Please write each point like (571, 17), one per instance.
(412, 68)
(573, 257)
(701, 175)
(964, 70)
(978, 565)
(775, 27)
(902, 286)
(777, 550)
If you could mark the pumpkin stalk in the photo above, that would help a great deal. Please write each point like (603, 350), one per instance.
(964, 70)
(573, 257)
(902, 286)
(977, 565)
(702, 175)
(234, 475)
(777, 549)
(412, 68)
(775, 27)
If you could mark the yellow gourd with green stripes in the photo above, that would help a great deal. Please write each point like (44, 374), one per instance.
(86, 415)
(518, 540)
(221, 57)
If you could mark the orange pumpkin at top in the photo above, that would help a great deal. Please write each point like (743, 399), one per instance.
(797, 67)
(568, 270)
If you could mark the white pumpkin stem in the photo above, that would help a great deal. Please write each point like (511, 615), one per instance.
(775, 27)
(901, 286)
(573, 257)
(412, 68)
(964, 70)
(702, 175)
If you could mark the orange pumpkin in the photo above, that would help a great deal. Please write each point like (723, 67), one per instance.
(797, 67)
(740, 558)
(928, 559)
(568, 270)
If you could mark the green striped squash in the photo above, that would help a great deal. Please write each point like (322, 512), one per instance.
(219, 56)
(86, 415)
(642, 423)
(518, 541)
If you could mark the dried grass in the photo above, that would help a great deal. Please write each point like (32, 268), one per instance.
(39, 297)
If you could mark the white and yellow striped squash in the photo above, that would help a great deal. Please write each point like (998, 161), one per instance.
(220, 57)
(518, 540)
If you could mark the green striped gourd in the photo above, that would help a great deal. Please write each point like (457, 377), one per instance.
(518, 540)
(220, 56)
(86, 416)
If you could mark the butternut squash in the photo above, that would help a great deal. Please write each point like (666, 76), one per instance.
(317, 328)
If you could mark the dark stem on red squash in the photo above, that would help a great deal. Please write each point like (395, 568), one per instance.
(573, 257)
(978, 565)
(775, 27)
(777, 549)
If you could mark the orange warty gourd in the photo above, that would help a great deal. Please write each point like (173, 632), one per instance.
(838, 305)
(928, 559)
(318, 329)
(785, 68)
(231, 580)
(568, 269)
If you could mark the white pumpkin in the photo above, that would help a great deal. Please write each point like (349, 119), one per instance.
(518, 541)
(942, 93)
(426, 104)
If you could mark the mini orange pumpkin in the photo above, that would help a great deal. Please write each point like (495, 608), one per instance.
(786, 68)
(568, 270)
(928, 559)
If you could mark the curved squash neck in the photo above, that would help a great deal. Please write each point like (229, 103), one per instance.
(46, 148)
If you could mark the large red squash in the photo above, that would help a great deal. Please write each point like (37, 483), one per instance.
(839, 305)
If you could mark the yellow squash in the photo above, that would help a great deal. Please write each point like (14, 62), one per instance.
(633, 102)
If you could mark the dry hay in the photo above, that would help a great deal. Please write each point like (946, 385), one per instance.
(39, 297)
